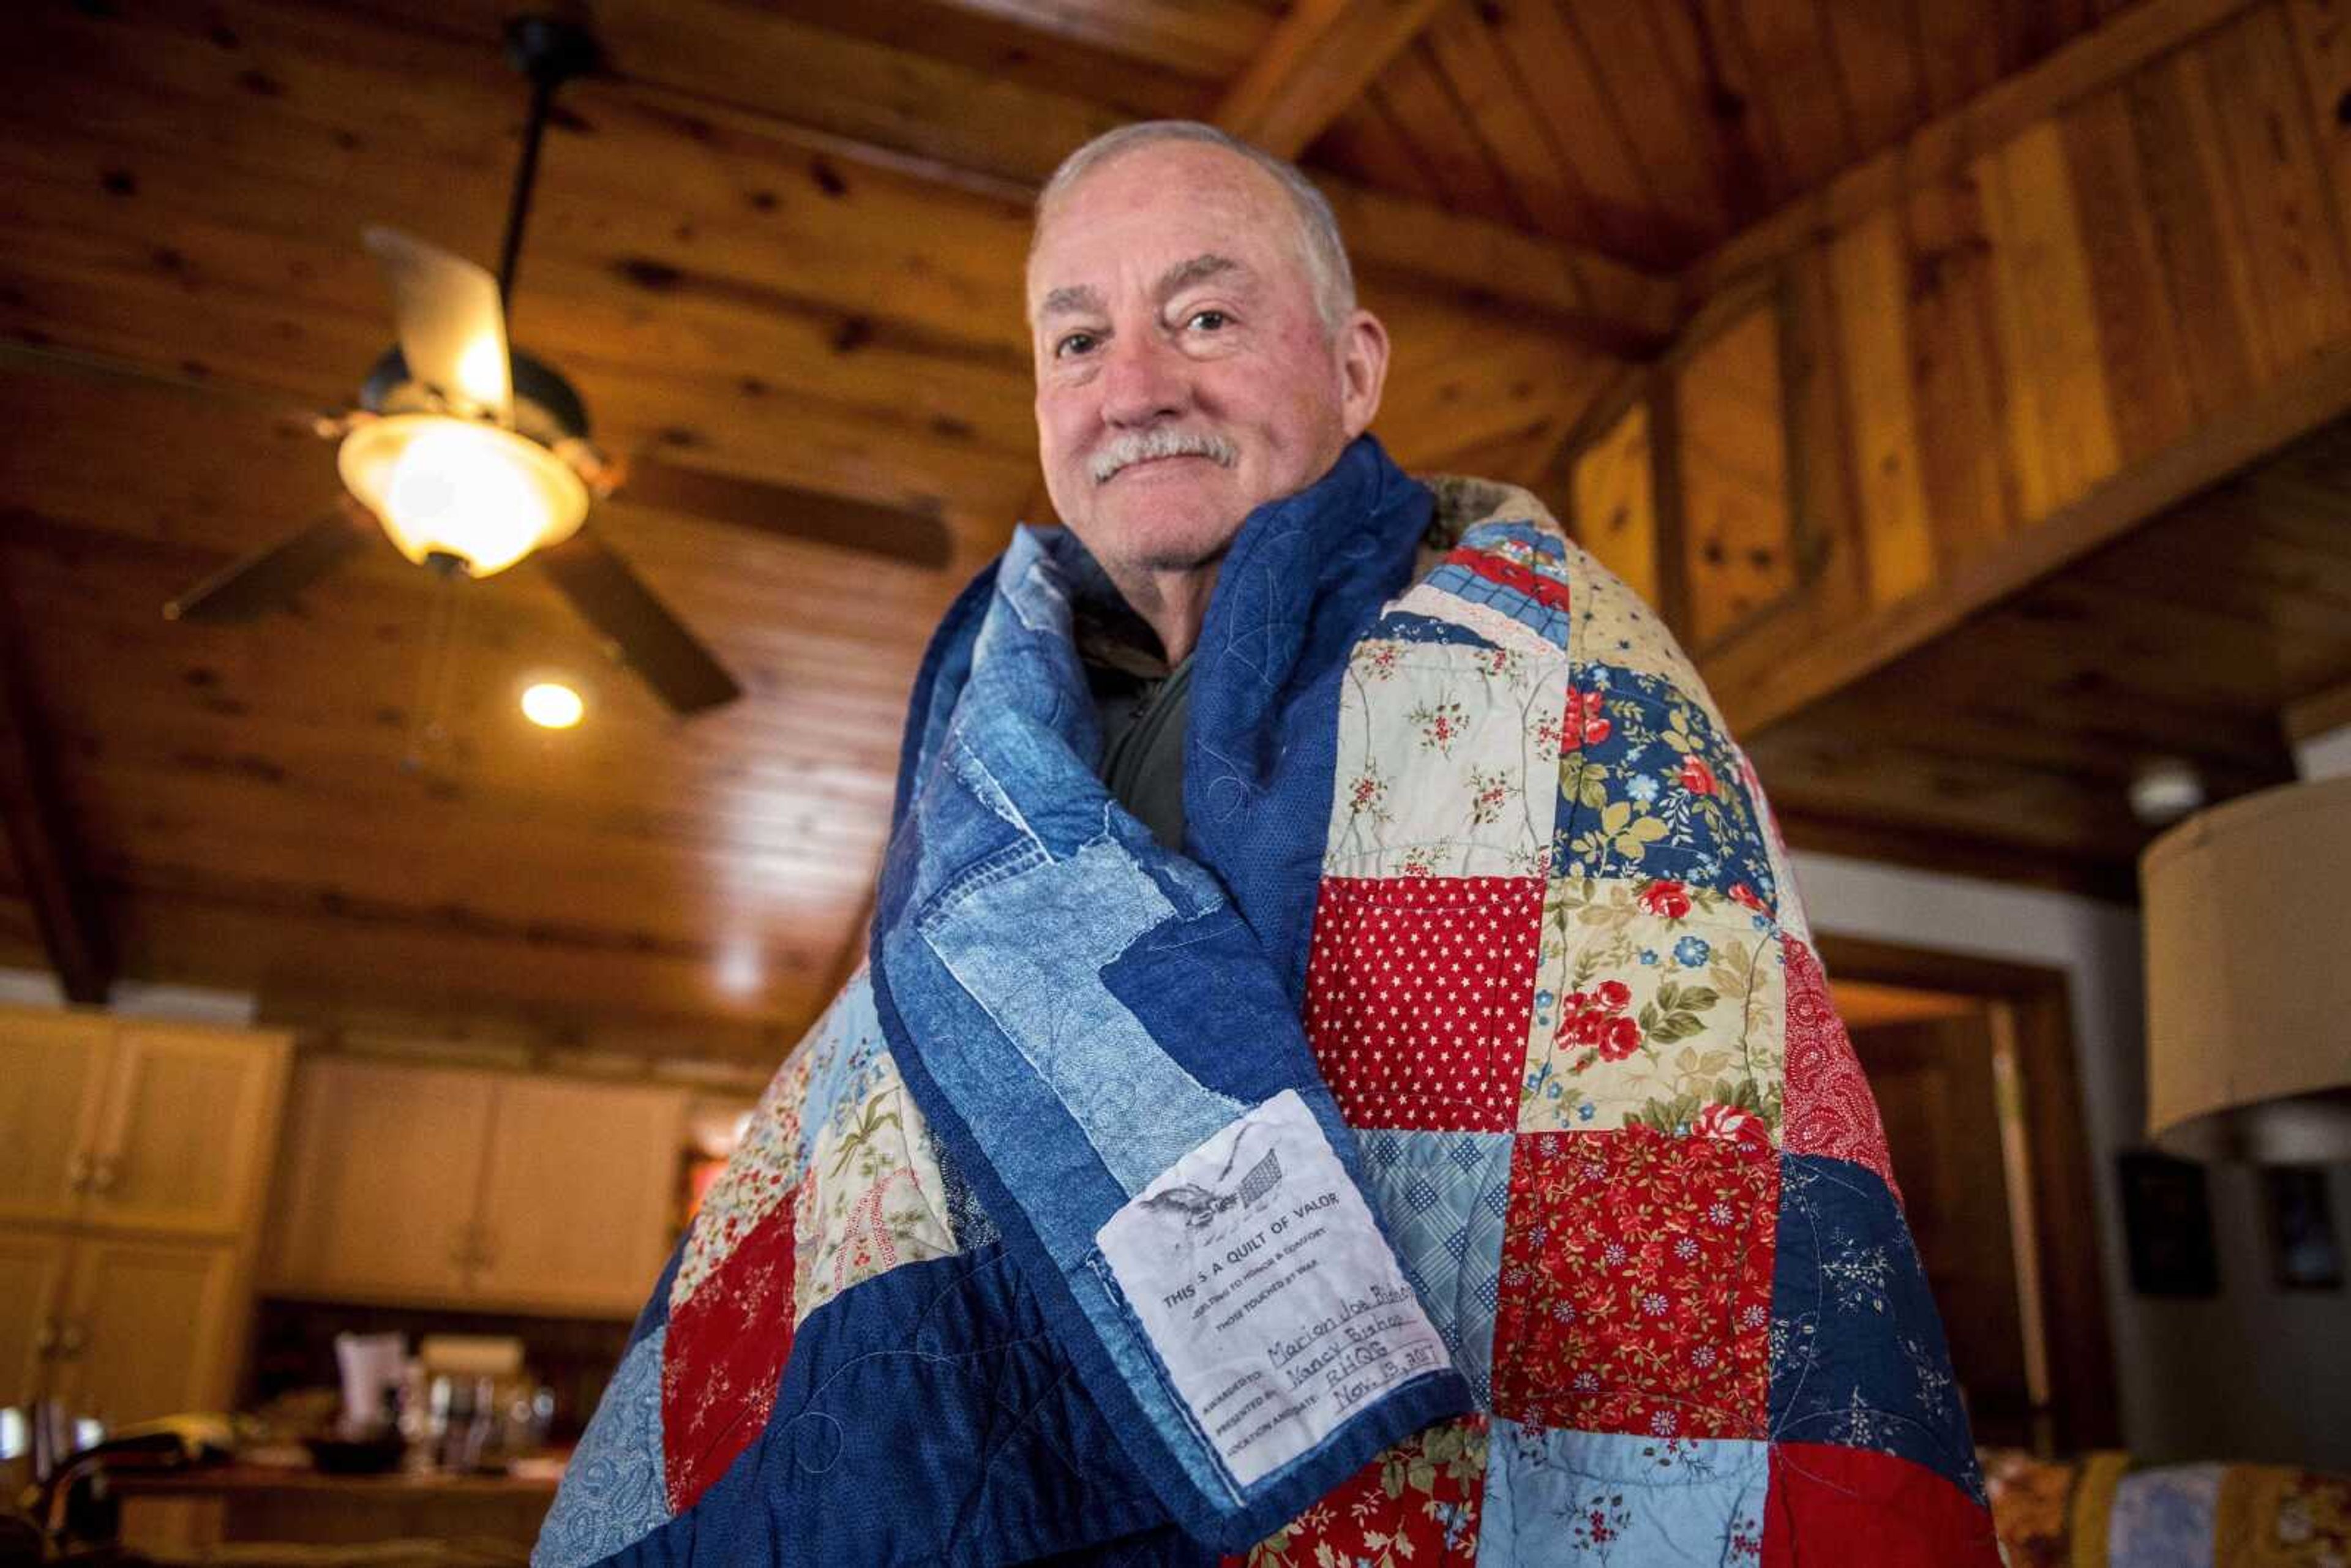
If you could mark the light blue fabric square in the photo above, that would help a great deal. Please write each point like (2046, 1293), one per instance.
(1444, 1196)
(613, 1492)
(2163, 1518)
(1617, 1498)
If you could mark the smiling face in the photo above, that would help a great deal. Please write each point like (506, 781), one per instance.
(1184, 375)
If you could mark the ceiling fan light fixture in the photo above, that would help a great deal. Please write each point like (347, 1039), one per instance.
(456, 487)
(551, 704)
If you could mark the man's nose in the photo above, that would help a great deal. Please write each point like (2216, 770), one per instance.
(1144, 381)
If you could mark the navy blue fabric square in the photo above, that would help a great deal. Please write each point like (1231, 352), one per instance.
(934, 1381)
(1859, 1358)
(1652, 790)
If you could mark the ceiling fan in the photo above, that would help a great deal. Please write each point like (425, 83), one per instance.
(472, 456)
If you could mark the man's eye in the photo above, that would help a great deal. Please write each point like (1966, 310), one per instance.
(1209, 320)
(1074, 343)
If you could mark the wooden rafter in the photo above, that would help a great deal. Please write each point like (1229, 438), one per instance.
(1319, 60)
(65, 901)
(2108, 53)
(1578, 292)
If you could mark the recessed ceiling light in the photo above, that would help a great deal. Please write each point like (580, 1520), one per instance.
(550, 704)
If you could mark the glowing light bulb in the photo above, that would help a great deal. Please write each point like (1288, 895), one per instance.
(445, 487)
(550, 704)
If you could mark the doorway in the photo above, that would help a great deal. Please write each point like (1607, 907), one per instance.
(1972, 1064)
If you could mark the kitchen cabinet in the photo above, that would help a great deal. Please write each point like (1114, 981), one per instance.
(52, 1076)
(119, 1328)
(456, 1186)
(32, 1305)
(129, 1125)
(149, 1327)
(383, 1167)
(133, 1159)
(577, 1193)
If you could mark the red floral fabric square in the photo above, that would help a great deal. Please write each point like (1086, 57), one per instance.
(1417, 1503)
(722, 1358)
(1636, 1284)
(1826, 1106)
(1876, 1510)
(1419, 993)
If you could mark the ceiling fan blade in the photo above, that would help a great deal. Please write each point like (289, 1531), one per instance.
(763, 506)
(647, 637)
(247, 589)
(453, 325)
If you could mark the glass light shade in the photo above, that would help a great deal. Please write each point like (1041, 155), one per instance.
(2248, 992)
(457, 487)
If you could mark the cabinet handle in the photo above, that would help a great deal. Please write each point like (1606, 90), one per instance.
(102, 1180)
(44, 1344)
(73, 1341)
(79, 1171)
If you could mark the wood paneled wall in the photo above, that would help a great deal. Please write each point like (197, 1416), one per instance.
(1889, 421)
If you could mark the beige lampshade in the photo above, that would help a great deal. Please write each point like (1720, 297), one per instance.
(2247, 911)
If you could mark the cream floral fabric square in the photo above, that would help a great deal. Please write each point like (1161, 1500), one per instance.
(872, 1198)
(1659, 1004)
(1472, 727)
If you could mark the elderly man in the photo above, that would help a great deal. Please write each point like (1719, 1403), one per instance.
(1340, 1075)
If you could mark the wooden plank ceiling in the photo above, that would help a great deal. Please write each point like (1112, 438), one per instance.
(781, 243)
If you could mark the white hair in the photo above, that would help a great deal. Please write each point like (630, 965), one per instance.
(1325, 252)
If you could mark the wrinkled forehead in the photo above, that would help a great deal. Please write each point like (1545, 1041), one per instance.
(1156, 205)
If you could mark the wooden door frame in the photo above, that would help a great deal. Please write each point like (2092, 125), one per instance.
(2073, 1297)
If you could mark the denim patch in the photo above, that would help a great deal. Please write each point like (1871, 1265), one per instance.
(1030, 950)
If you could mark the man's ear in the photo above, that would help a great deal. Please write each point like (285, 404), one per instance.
(1363, 370)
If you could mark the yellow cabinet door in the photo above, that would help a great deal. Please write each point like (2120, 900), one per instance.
(150, 1329)
(32, 1310)
(191, 1121)
(576, 1206)
(376, 1194)
(52, 1073)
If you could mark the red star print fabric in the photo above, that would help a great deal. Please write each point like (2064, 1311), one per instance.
(1418, 995)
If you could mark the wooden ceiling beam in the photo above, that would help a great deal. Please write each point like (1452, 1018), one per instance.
(67, 907)
(2109, 52)
(1320, 57)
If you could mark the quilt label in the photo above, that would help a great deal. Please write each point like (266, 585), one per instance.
(1266, 1288)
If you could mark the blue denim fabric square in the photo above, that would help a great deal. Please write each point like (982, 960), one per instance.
(1857, 1351)
(1555, 1498)
(1444, 1197)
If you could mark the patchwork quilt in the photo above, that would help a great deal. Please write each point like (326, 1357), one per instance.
(1452, 1157)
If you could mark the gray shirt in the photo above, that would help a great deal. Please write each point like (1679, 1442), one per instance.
(1142, 743)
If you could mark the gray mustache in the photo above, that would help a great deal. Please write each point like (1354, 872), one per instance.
(1150, 443)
